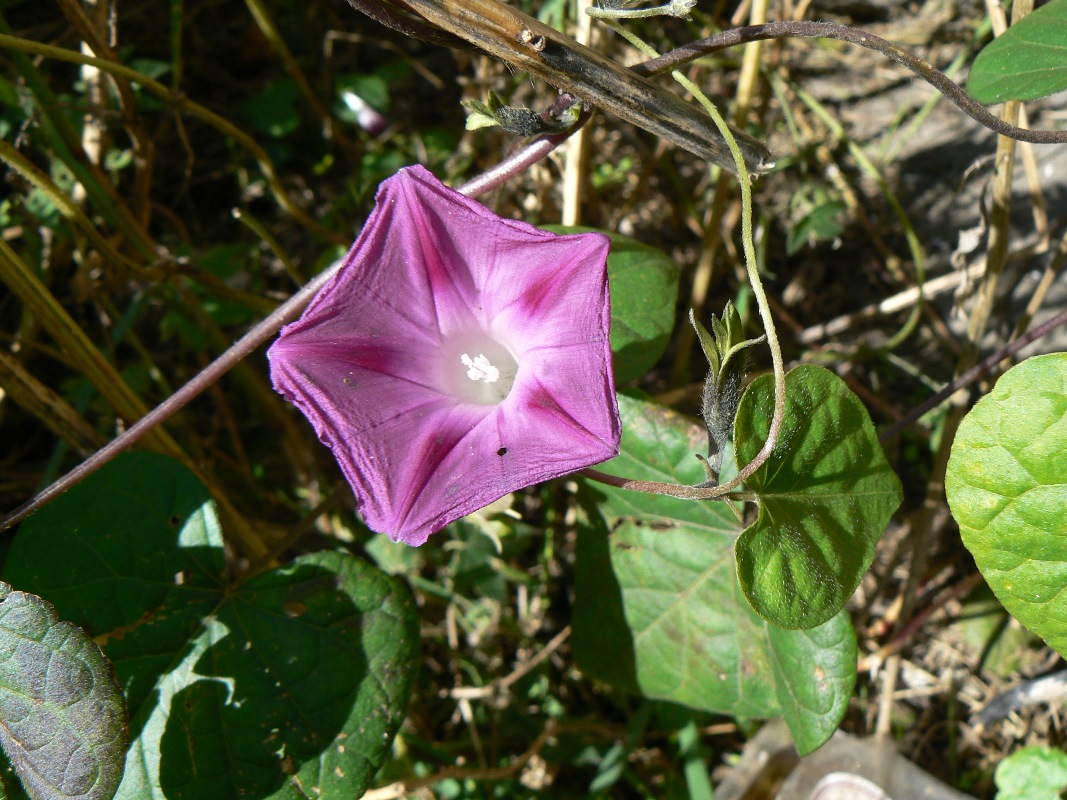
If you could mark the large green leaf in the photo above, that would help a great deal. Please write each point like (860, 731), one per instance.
(290, 685)
(644, 295)
(62, 716)
(657, 606)
(1007, 487)
(825, 497)
(1026, 62)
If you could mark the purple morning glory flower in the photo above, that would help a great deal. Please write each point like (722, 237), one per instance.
(456, 357)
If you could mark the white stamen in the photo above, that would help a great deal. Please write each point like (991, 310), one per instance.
(479, 369)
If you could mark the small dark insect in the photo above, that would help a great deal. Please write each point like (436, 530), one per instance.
(503, 451)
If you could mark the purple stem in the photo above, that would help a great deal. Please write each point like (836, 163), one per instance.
(284, 313)
(517, 162)
(973, 374)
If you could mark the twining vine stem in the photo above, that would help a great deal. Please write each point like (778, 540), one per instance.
(829, 30)
(722, 490)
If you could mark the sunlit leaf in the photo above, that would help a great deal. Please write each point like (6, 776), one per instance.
(1007, 487)
(1028, 61)
(1032, 773)
(825, 497)
(658, 610)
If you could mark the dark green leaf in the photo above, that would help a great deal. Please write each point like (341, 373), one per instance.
(1026, 62)
(644, 294)
(814, 675)
(825, 497)
(1005, 485)
(658, 610)
(273, 111)
(62, 715)
(291, 685)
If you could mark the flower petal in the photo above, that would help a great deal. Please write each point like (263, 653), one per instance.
(376, 359)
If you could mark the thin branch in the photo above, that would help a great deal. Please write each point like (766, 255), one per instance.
(973, 374)
(533, 47)
(502, 685)
(405, 787)
(215, 370)
(828, 30)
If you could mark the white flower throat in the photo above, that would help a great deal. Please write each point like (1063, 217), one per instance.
(487, 382)
(478, 369)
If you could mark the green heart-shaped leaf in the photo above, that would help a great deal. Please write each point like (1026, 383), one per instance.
(1007, 487)
(825, 497)
(658, 610)
(290, 685)
(62, 715)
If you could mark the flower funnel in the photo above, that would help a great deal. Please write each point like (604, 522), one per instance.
(455, 357)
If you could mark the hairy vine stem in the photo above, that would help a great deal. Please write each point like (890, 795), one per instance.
(724, 489)
(829, 30)
(751, 265)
